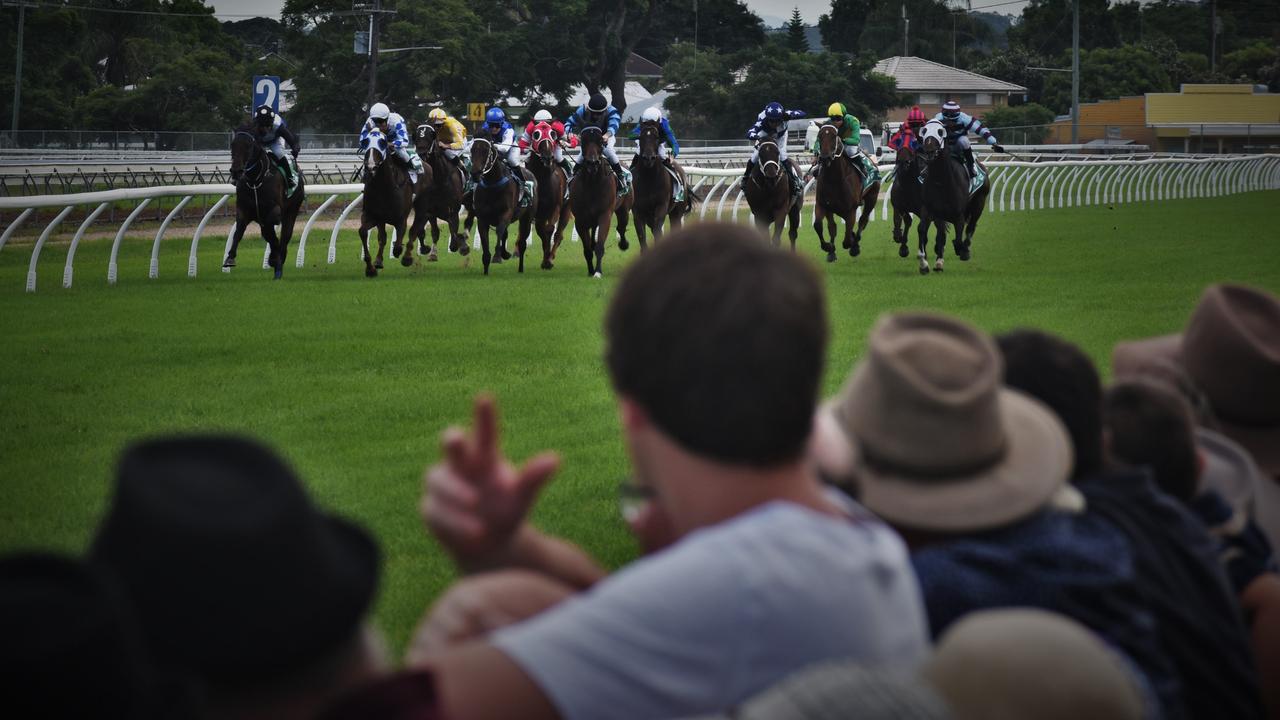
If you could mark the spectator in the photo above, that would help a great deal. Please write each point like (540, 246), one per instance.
(71, 648)
(240, 583)
(974, 476)
(1175, 561)
(715, 346)
(1231, 351)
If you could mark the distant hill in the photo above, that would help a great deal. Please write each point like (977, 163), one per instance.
(999, 25)
(258, 33)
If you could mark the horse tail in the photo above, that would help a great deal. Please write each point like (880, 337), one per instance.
(693, 197)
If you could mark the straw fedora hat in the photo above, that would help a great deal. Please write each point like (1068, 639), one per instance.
(941, 444)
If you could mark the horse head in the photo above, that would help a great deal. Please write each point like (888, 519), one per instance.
(770, 160)
(377, 154)
(650, 141)
(544, 142)
(592, 141)
(933, 137)
(829, 145)
(246, 154)
(484, 158)
(424, 139)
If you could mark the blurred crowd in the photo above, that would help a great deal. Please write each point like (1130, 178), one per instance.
(973, 527)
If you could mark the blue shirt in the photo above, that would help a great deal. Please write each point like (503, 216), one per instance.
(608, 121)
(667, 133)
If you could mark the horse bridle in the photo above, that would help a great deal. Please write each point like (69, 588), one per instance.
(491, 160)
(823, 157)
(597, 133)
(649, 131)
(761, 168)
(264, 168)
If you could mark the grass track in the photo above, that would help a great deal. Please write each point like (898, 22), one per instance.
(353, 378)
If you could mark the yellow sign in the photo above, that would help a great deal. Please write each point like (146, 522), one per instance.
(475, 111)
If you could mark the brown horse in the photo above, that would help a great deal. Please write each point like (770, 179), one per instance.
(497, 202)
(840, 194)
(655, 201)
(388, 198)
(769, 195)
(260, 198)
(552, 215)
(593, 195)
(439, 196)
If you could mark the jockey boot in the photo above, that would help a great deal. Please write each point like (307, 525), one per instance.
(566, 166)
(747, 174)
(622, 178)
(968, 161)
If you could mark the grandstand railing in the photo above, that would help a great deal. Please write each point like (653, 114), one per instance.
(1019, 185)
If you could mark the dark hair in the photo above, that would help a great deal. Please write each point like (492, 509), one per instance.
(722, 339)
(1151, 425)
(1061, 376)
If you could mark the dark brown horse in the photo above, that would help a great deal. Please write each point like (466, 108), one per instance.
(260, 198)
(906, 195)
(840, 194)
(653, 187)
(593, 195)
(947, 200)
(388, 198)
(769, 195)
(497, 202)
(439, 196)
(552, 215)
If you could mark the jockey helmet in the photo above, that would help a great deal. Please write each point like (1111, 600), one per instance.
(774, 111)
(597, 103)
(950, 109)
(379, 111)
(495, 116)
(264, 115)
(836, 110)
(542, 116)
(437, 116)
(651, 114)
(916, 117)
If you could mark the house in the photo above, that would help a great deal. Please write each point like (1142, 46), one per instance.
(929, 84)
(1215, 119)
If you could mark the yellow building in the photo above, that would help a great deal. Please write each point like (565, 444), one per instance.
(1112, 121)
(1215, 119)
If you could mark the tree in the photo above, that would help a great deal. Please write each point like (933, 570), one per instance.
(796, 40)
(1257, 63)
(1030, 119)
(935, 29)
(1046, 26)
(727, 26)
(1109, 73)
(841, 28)
(1011, 66)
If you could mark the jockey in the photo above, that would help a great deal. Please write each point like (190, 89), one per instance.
(654, 115)
(771, 124)
(598, 113)
(959, 125)
(450, 134)
(498, 131)
(850, 130)
(557, 133)
(273, 134)
(907, 136)
(392, 126)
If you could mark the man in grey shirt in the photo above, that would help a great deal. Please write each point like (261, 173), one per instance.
(715, 346)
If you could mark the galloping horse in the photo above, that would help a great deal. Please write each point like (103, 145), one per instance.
(497, 203)
(593, 195)
(260, 198)
(388, 198)
(552, 213)
(947, 199)
(839, 194)
(769, 195)
(439, 196)
(906, 195)
(654, 201)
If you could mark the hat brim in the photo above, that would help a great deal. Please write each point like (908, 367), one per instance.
(1229, 469)
(1263, 443)
(1129, 357)
(1036, 464)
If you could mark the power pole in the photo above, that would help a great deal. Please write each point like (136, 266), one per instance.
(1075, 72)
(373, 52)
(17, 73)
(1213, 36)
(906, 26)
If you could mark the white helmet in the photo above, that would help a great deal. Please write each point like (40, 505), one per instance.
(542, 116)
(651, 114)
(379, 111)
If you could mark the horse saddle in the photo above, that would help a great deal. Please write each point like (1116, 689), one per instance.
(292, 175)
(978, 180)
(677, 186)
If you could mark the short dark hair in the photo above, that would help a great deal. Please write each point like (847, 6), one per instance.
(721, 338)
(1149, 424)
(1061, 376)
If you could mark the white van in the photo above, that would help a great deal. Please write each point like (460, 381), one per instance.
(866, 141)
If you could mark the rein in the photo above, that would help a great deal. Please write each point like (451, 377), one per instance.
(770, 181)
(490, 161)
(260, 162)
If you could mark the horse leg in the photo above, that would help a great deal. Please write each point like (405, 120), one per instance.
(407, 259)
(642, 225)
(230, 260)
(940, 244)
(526, 230)
(621, 212)
(903, 250)
(832, 229)
(485, 256)
(430, 252)
(922, 231)
(779, 222)
(972, 225)
(286, 234)
(561, 223)
(819, 215)
(794, 217)
(369, 269)
(382, 244)
(602, 236)
(546, 233)
(587, 235)
(273, 243)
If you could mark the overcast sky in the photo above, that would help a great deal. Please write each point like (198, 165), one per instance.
(769, 9)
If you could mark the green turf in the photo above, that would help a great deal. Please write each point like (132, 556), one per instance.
(353, 378)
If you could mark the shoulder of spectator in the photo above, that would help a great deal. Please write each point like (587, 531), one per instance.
(478, 681)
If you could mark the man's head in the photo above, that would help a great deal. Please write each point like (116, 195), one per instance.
(596, 104)
(916, 118)
(263, 117)
(1149, 425)
(836, 113)
(951, 110)
(380, 114)
(437, 116)
(718, 340)
(1061, 376)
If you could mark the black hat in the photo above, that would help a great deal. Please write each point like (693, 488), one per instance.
(69, 646)
(597, 103)
(236, 576)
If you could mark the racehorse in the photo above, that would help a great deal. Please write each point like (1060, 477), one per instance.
(947, 199)
(654, 201)
(552, 214)
(906, 195)
(439, 196)
(593, 196)
(497, 202)
(839, 194)
(769, 195)
(260, 198)
(388, 198)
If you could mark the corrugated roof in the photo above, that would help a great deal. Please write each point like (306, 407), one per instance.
(638, 66)
(919, 75)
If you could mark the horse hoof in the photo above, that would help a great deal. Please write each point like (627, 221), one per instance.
(432, 256)
(924, 269)
(903, 251)
(464, 249)
(831, 256)
(370, 272)
(279, 274)
(378, 265)
(623, 244)
(505, 253)
(407, 260)
(855, 250)
(963, 255)
(496, 259)
(937, 267)
(597, 275)
(546, 265)
(396, 250)
(229, 263)
(845, 244)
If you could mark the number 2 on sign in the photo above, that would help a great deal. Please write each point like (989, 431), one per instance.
(267, 89)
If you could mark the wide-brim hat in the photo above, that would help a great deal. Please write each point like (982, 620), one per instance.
(237, 577)
(1231, 351)
(1228, 470)
(941, 444)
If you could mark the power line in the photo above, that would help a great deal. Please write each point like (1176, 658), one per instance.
(122, 11)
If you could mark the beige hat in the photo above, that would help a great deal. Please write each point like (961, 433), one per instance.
(1021, 663)
(942, 445)
(1231, 350)
(846, 689)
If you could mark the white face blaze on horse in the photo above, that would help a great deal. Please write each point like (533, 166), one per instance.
(933, 130)
(377, 150)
